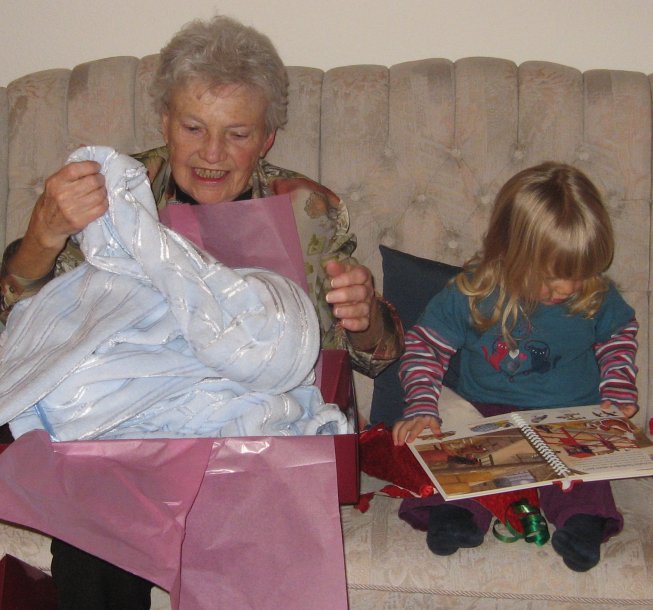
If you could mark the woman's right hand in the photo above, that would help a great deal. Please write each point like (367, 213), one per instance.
(407, 430)
(72, 198)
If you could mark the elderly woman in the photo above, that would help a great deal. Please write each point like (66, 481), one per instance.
(221, 91)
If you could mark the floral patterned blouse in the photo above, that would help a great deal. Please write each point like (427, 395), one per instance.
(322, 222)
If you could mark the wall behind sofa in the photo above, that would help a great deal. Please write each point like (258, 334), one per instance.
(585, 34)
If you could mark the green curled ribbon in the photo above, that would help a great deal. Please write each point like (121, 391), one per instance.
(532, 522)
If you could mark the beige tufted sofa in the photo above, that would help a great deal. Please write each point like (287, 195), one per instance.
(418, 150)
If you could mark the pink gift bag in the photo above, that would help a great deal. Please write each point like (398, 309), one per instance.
(234, 523)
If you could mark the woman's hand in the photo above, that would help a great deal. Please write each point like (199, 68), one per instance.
(407, 430)
(72, 198)
(627, 410)
(354, 303)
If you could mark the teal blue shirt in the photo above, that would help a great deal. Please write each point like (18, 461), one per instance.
(553, 364)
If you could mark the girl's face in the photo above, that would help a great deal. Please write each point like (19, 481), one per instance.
(554, 291)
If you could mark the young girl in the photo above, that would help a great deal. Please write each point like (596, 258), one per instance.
(538, 325)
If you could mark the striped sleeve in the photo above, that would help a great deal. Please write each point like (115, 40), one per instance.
(616, 360)
(421, 371)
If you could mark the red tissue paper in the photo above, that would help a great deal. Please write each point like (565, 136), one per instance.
(380, 458)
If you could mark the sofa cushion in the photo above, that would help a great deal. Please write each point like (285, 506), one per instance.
(409, 282)
(390, 566)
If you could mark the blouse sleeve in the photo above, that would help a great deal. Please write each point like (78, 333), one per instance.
(387, 349)
(323, 225)
(14, 288)
(390, 344)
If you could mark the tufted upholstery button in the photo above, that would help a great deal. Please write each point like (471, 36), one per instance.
(388, 237)
(452, 244)
(583, 155)
(355, 196)
(388, 153)
(518, 155)
(421, 198)
(456, 153)
(486, 199)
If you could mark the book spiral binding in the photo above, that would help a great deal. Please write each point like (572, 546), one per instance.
(541, 447)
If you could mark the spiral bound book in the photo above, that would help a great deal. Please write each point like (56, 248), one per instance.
(533, 448)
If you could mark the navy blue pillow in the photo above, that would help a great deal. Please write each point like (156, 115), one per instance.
(409, 282)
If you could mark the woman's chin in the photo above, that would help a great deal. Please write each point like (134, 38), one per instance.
(209, 197)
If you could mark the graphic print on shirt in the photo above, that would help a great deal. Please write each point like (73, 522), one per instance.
(528, 356)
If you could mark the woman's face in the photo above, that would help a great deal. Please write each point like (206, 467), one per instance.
(215, 137)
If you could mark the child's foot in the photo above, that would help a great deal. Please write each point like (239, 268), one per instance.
(451, 528)
(578, 541)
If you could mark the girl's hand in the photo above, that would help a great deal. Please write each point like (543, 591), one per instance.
(407, 430)
(627, 410)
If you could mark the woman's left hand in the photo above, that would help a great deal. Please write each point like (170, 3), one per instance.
(627, 410)
(354, 302)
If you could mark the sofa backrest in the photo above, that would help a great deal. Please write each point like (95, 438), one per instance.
(417, 150)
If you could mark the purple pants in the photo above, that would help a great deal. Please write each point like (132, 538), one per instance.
(590, 498)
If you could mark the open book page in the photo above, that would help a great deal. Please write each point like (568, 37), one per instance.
(591, 442)
(479, 456)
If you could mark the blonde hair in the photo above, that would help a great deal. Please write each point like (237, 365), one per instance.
(548, 221)
(223, 51)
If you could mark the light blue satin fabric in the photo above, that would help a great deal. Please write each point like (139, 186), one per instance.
(151, 337)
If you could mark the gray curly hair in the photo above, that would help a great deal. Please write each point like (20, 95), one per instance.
(223, 51)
